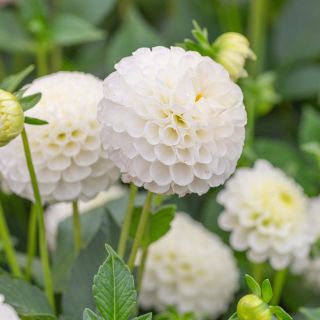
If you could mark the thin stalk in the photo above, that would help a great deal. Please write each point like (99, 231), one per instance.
(32, 241)
(44, 255)
(278, 283)
(7, 244)
(41, 58)
(123, 8)
(257, 271)
(127, 221)
(142, 266)
(76, 226)
(56, 58)
(257, 33)
(140, 230)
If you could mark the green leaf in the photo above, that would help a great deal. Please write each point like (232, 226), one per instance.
(311, 314)
(28, 300)
(68, 30)
(266, 290)
(147, 316)
(309, 130)
(312, 148)
(234, 317)
(12, 82)
(35, 121)
(29, 102)
(13, 37)
(113, 288)
(93, 11)
(90, 315)
(253, 285)
(280, 313)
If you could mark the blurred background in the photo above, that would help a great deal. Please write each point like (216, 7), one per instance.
(283, 85)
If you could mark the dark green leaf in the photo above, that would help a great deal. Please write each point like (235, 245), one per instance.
(90, 315)
(280, 313)
(234, 317)
(28, 300)
(68, 29)
(309, 130)
(113, 289)
(29, 102)
(253, 285)
(266, 291)
(311, 314)
(35, 121)
(12, 82)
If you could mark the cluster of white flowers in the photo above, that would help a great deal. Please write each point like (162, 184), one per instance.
(67, 154)
(267, 213)
(172, 121)
(58, 212)
(189, 268)
(6, 311)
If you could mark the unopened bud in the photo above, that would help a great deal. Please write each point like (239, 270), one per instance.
(251, 307)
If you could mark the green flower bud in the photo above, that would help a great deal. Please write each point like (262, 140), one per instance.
(232, 50)
(11, 117)
(251, 307)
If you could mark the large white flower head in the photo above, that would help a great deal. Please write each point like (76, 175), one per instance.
(6, 311)
(191, 269)
(67, 153)
(172, 121)
(267, 214)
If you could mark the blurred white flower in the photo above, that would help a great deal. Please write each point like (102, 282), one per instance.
(191, 269)
(67, 153)
(172, 121)
(267, 214)
(233, 49)
(6, 311)
(60, 211)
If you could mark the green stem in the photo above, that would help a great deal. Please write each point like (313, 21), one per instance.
(278, 282)
(140, 230)
(250, 124)
(257, 33)
(56, 58)
(32, 241)
(76, 226)
(41, 57)
(7, 244)
(257, 271)
(127, 221)
(142, 266)
(123, 8)
(40, 217)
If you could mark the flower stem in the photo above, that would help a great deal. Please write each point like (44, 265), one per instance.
(41, 58)
(40, 217)
(140, 230)
(76, 226)
(32, 241)
(127, 221)
(278, 282)
(8, 247)
(142, 266)
(257, 271)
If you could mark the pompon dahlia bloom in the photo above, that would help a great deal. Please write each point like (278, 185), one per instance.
(172, 121)
(6, 311)
(191, 269)
(67, 153)
(58, 212)
(267, 214)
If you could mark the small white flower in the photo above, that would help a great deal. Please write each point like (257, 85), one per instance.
(6, 311)
(67, 153)
(60, 211)
(191, 269)
(172, 121)
(267, 214)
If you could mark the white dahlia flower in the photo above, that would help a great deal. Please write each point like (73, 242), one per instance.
(58, 212)
(172, 121)
(6, 311)
(191, 269)
(67, 153)
(267, 214)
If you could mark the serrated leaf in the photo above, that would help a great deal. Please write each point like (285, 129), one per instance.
(311, 314)
(90, 315)
(266, 291)
(253, 285)
(29, 102)
(147, 316)
(280, 313)
(35, 121)
(113, 288)
(12, 82)
(68, 29)
(28, 300)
